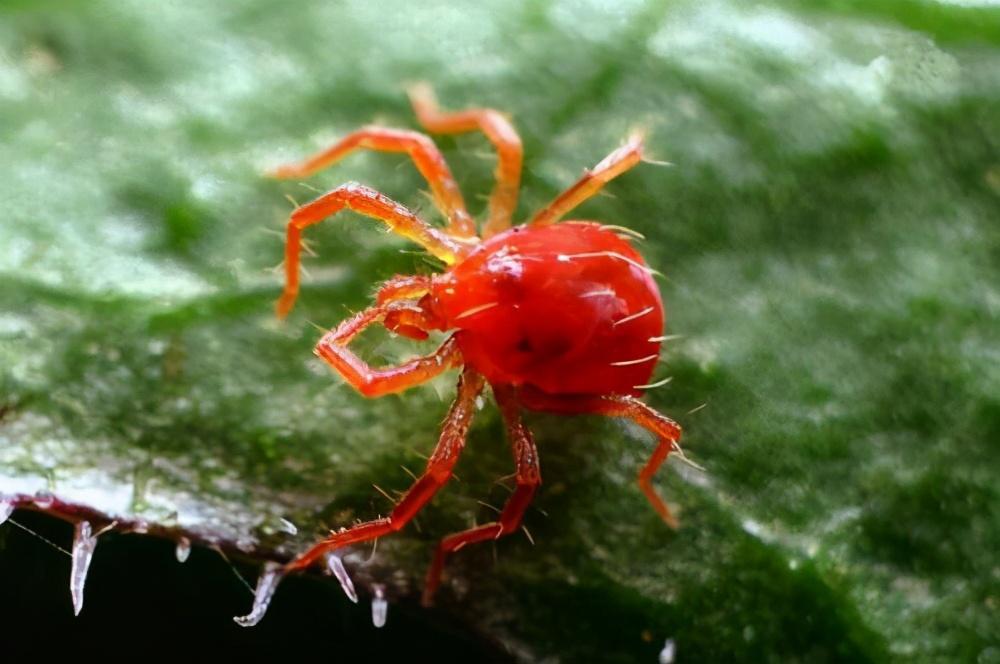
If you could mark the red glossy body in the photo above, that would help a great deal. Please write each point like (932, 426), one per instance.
(568, 308)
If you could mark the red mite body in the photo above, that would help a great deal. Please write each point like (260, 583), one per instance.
(568, 309)
(555, 317)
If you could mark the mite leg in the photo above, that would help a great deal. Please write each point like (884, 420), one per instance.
(368, 202)
(499, 131)
(667, 432)
(403, 287)
(421, 149)
(371, 382)
(528, 478)
(437, 473)
(592, 182)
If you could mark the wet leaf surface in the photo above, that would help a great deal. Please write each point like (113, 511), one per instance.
(829, 235)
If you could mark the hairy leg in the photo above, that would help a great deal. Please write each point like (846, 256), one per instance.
(528, 477)
(371, 382)
(403, 287)
(438, 471)
(592, 182)
(498, 130)
(667, 432)
(368, 202)
(421, 149)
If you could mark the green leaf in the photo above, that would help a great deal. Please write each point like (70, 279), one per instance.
(829, 235)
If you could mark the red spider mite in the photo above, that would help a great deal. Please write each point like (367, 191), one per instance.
(555, 317)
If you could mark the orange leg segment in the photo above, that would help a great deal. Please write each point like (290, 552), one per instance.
(498, 130)
(403, 287)
(592, 182)
(528, 477)
(332, 348)
(667, 431)
(421, 149)
(368, 202)
(438, 471)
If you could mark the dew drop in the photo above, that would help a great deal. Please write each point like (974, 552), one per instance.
(288, 527)
(44, 499)
(380, 607)
(6, 509)
(668, 652)
(270, 576)
(183, 549)
(84, 543)
(336, 567)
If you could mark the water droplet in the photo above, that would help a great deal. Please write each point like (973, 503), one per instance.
(44, 499)
(183, 549)
(84, 544)
(288, 527)
(668, 652)
(336, 567)
(6, 509)
(270, 576)
(380, 607)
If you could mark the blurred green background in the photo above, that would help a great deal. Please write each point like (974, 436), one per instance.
(830, 239)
